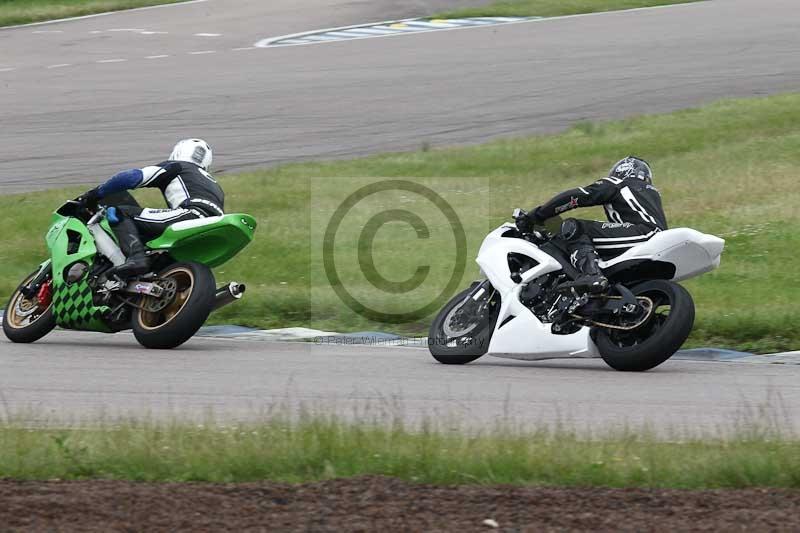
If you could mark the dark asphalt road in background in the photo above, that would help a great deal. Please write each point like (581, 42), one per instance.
(82, 122)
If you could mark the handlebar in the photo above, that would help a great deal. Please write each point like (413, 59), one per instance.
(72, 208)
(98, 215)
(539, 233)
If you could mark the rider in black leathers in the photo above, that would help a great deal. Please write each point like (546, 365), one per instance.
(633, 208)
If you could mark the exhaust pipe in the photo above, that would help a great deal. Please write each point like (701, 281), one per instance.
(229, 294)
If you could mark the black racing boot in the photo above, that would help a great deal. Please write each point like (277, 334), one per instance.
(137, 263)
(591, 280)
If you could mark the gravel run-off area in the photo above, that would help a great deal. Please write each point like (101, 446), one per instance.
(384, 504)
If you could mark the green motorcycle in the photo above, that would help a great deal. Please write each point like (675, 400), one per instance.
(77, 290)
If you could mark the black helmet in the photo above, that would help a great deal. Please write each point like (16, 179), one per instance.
(632, 167)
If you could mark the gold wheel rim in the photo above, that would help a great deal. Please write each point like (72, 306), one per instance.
(21, 322)
(185, 279)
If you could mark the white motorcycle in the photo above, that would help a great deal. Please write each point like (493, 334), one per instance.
(523, 311)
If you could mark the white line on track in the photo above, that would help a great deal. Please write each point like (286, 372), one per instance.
(243, 48)
(48, 31)
(207, 34)
(177, 4)
(110, 60)
(202, 52)
(60, 65)
(157, 57)
(8, 69)
(319, 38)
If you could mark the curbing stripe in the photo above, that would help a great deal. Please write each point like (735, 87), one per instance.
(431, 24)
(370, 31)
(385, 29)
(296, 39)
(711, 354)
(373, 338)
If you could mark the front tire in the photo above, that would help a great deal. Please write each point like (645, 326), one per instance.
(657, 339)
(472, 341)
(186, 313)
(24, 321)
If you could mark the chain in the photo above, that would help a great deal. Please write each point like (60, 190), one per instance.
(624, 328)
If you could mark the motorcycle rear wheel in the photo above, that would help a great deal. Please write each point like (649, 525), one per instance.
(658, 338)
(184, 315)
(473, 339)
(35, 324)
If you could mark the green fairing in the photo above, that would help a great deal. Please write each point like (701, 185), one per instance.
(213, 243)
(73, 307)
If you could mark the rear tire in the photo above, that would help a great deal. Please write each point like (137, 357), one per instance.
(14, 327)
(655, 341)
(179, 321)
(479, 336)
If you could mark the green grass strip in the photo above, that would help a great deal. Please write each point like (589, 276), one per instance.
(13, 12)
(316, 448)
(552, 8)
(729, 168)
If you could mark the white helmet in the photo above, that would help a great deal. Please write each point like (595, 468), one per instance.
(195, 151)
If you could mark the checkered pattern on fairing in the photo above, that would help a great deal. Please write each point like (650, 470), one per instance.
(73, 307)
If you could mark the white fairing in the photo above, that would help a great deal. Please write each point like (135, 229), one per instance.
(693, 253)
(519, 334)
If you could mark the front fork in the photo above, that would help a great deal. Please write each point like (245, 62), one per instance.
(32, 288)
(481, 291)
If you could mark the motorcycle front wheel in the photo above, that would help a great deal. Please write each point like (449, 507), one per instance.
(27, 320)
(166, 325)
(656, 340)
(461, 331)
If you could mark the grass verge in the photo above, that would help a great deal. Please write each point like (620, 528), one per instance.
(314, 448)
(13, 12)
(552, 8)
(729, 168)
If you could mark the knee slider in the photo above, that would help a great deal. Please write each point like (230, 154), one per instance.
(570, 229)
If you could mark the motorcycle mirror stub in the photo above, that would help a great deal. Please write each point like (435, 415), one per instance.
(76, 272)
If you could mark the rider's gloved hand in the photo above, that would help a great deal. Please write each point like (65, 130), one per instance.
(527, 221)
(89, 200)
(537, 217)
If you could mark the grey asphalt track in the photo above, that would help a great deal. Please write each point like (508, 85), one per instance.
(70, 377)
(73, 112)
(82, 122)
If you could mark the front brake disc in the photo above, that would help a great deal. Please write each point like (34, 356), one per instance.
(25, 307)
